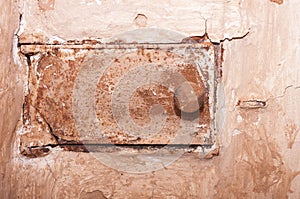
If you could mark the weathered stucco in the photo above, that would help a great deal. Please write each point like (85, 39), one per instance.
(103, 19)
(258, 114)
(11, 93)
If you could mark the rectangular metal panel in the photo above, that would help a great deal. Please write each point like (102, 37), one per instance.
(122, 94)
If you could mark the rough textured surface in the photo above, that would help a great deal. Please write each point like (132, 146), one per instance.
(258, 158)
(51, 105)
(11, 94)
(103, 19)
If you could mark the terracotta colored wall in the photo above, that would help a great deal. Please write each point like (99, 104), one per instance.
(258, 147)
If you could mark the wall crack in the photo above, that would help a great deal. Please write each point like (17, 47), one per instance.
(235, 38)
(284, 92)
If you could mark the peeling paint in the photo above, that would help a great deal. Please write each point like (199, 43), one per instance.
(277, 1)
(251, 104)
(259, 161)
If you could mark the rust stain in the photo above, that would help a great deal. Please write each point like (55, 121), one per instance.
(56, 79)
(90, 41)
(34, 38)
(35, 152)
(196, 39)
(212, 153)
(277, 1)
(52, 75)
(146, 96)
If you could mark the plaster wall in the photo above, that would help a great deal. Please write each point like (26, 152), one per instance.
(258, 147)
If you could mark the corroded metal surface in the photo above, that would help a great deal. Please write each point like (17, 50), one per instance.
(121, 94)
